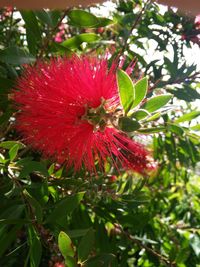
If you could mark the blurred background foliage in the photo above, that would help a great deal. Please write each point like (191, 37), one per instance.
(52, 217)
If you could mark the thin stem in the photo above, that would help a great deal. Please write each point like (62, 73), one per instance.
(133, 27)
(48, 38)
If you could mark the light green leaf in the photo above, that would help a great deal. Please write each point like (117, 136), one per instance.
(126, 90)
(152, 130)
(156, 102)
(188, 117)
(82, 18)
(65, 245)
(77, 40)
(141, 88)
(13, 152)
(153, 117)
(10, 144)
(128, 125)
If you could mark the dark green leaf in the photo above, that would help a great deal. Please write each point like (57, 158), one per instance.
(32, 166)
(33, 32)
(126, 90)
(128, 125)
(15, 56)
(82, 18)
(35, 251)
(86, 245)
(35, 206)
(140, 114)
(65, 206)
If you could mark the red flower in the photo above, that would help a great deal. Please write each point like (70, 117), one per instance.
(67, 110)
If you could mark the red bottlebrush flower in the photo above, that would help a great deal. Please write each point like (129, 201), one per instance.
(66, 110)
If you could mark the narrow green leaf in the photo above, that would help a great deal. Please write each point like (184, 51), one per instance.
(13, 152)
(65, 207)
(153, 117)
(32, 166)
(35, 205)
(175, 129)
(82, 18)
(103, 22)
(10, 144)
(65, 245)
(188, 117)
(45, 17)
(156, 102)
(86, 245)
(195, 128)
(33, 33)
(152, 130)
(128, 125)
(140, 114)
(77, 40)
(140, 91)
(15, 56)
(35, 247)
(126, 90)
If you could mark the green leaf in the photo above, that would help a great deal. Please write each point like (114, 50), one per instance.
(77, 40)
(35, 250)
(45, 17)
(188, 117)
(65, 245)
(153, 117)
(195, 128)
(35, 205)
(82, 18)
(13, 152)
(7, 238)
(126, 90)
(33, 32)
(15, 56)
(140, 114)
(86, 245)
(65, 207)
(141, 88)
(195, 244)
(10, 144)
(156, 102)
(6, 84)
(175, 129)
(32, 166)
(152, 130)
(103, 22)
(70, 262)
(128, 125)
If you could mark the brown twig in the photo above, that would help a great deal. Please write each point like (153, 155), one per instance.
(155, 253)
